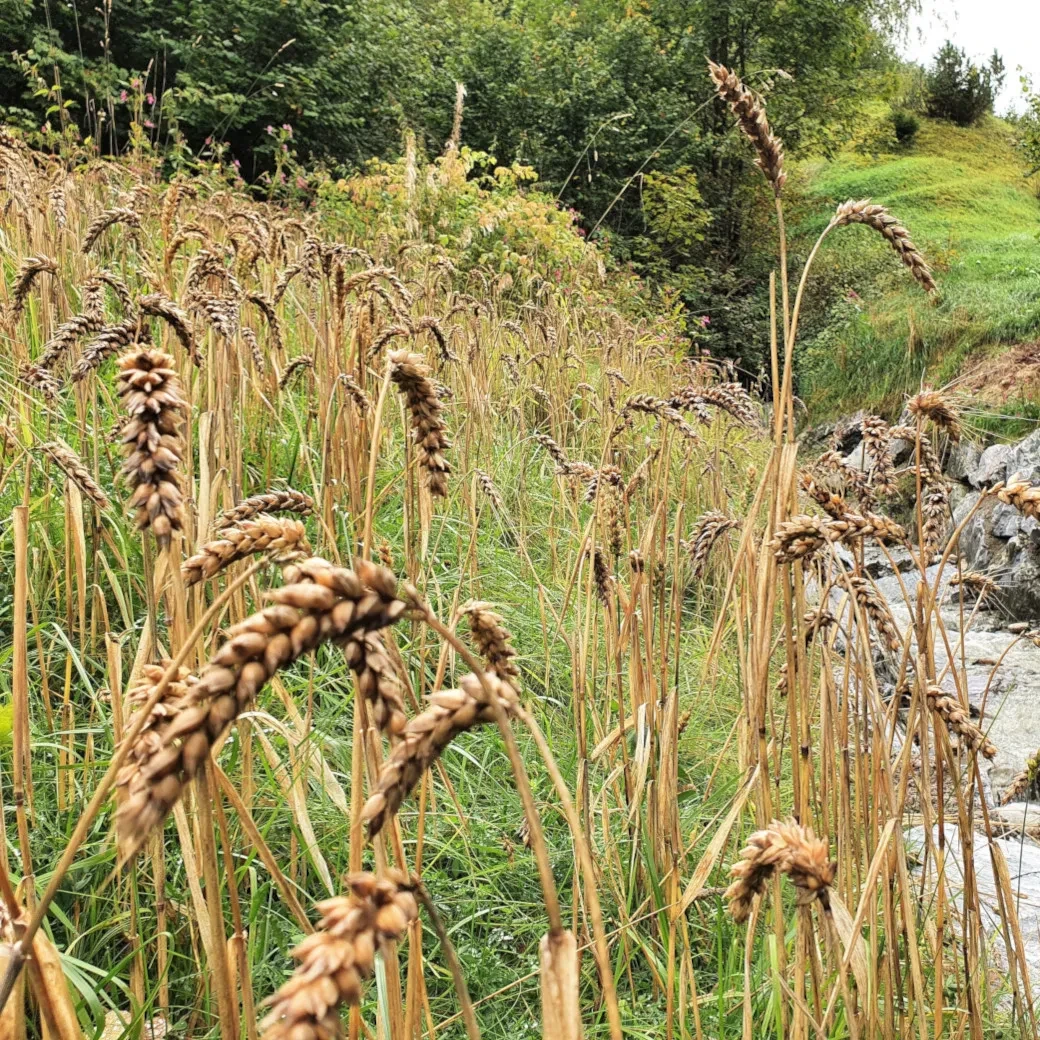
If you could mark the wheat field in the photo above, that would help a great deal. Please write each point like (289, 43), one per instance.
(401, 645)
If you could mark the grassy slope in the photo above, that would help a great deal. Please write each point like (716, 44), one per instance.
(962, 195)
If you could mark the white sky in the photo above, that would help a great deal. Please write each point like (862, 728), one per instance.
(1011, 26)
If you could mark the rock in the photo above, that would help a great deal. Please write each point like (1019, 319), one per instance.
(857, 458)
(1016, 627)
(1022, 861)
(992, 467)
(1005, 521)
(962, 460)
(848, 433)
(1024, 459)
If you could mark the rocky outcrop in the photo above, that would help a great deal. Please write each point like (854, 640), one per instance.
(998, 540)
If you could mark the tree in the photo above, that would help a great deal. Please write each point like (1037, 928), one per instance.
(960, 90)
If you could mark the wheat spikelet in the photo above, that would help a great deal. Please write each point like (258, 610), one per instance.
(119, 287)
(411, 374)
(931, 404)
(751, 115)
(152, 398)
(973, 581)
(1020, 494)
(158, 306)
(959, 721)
(76, 470)
(450, 713)
(493, 641)
(706, 532)
(556, 453)
(356, 393)
(295, 366)
(878, 218)
(328, 604)
(833, 505)
(803, 536)
(266, 306)
(288, 501)
(790, 849)
(876, 609)
(104, 221)
(184, 235)
(377, 683)
(30, 269)
(853, 478)
(282, 538)
(1024, 784)
(109, 341)
(601, 576)
(935, 510)
(221, 312)
(253, 345)
(58, 203)
(336, 958)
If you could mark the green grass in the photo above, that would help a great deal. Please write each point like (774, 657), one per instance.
(963, 196)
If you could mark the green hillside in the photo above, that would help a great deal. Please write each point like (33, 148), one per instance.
(963, 195)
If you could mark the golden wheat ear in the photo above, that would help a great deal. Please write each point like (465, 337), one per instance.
(877, 217)
(751, 115)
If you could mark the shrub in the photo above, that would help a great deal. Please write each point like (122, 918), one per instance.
(905, 124)
(960, 90)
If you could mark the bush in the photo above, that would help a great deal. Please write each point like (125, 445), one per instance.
(905, 125)
(960, 90)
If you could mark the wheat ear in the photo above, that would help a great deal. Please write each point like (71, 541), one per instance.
(152, 397)
(75, 469)
(411, 375)
(336, 958)
(788, 848)
(282, 538)
(751, 114)
(450, 713)
(878, 218)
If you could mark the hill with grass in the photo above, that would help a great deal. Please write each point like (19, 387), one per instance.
(963, 195)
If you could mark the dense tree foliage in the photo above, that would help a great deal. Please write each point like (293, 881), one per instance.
(959, 89)
(607, 99)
